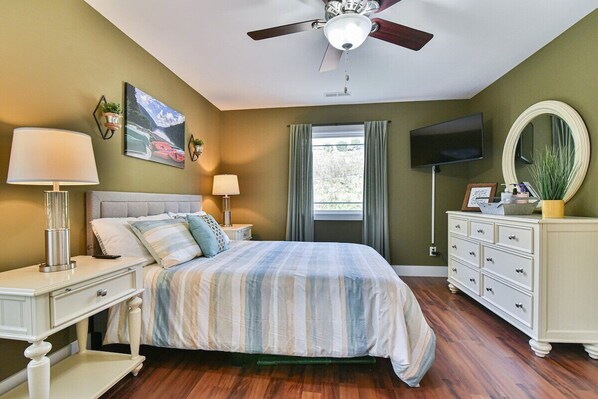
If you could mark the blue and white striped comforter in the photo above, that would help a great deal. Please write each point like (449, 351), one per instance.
(287, 298)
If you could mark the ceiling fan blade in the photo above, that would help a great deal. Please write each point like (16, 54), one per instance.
(332, 58)
(400, 35)
(284, 30)
(384, 4)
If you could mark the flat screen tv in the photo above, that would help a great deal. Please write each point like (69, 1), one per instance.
(458, 140)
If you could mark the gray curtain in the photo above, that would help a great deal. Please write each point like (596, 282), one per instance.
(375, 188)
(300, 210)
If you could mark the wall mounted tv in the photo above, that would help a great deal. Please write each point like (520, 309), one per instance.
(458, 140)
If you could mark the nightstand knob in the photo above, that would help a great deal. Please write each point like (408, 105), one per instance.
(68, 290)
(102, 292)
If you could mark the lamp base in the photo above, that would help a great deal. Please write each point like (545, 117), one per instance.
(45, 268)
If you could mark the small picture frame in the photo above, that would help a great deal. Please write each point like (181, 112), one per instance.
(475, 191)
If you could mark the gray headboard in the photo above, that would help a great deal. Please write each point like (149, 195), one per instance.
(114, 204)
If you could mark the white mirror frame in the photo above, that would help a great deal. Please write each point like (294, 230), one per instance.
(579, 131)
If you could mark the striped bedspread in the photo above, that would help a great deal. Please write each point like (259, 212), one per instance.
(287, 298)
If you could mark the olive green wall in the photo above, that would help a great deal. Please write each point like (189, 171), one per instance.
(56, 60)
(255, 146)
(563, 70)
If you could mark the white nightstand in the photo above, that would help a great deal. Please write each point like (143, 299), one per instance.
(238, 232)
(35, 305)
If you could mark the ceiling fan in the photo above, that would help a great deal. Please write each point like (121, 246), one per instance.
(346, 27)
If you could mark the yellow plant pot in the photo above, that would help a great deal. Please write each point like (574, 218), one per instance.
(553, 209)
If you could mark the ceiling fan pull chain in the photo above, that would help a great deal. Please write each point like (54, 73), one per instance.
(346, 72)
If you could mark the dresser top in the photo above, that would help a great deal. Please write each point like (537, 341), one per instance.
(30, 281)
(535, 218)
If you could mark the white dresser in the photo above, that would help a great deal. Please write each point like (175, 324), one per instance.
(34, 305)
(540, 275)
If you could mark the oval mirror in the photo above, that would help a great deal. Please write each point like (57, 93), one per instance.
(546, 124)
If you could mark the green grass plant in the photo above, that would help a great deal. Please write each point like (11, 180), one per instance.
(553, 170)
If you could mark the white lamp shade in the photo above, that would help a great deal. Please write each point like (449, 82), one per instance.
(348, 31)
(41, 156)
(225, 185)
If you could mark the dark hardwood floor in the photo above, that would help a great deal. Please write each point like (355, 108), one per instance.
(478, 355)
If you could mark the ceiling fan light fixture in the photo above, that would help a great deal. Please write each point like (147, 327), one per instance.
(347, 31)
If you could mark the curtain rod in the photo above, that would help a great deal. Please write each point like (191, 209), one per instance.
(338, 124)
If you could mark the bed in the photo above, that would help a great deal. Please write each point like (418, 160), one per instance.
(273, 297)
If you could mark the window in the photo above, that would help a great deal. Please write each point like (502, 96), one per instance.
(338, 172)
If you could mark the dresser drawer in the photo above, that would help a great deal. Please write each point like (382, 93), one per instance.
(458, 226)
(482, 231)
(467, 251)
(515, 268)
(465, 275)
(521, 238)
(514, 302)
(72, 302)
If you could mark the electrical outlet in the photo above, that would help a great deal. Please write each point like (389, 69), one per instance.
(433, 250)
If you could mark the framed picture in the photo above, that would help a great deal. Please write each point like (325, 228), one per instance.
(153, 131)
(475, 191)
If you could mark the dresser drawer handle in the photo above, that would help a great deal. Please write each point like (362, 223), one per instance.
(102, 292)
(458, 226)
(519, 305)
(454, 246)
(472, 253)
(489, 289)
(472, 280)
(512, 237)
(454, 269)
(489, 260)
(480, 231)
(519, 270)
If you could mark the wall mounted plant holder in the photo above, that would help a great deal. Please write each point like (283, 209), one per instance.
(112, 119)
(195, 147)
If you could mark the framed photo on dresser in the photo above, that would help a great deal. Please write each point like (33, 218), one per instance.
(475, 191)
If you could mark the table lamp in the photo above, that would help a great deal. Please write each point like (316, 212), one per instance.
(226, 185)
(51, 157)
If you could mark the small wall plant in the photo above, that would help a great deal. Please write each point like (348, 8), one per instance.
(111, 108)
(197, 142)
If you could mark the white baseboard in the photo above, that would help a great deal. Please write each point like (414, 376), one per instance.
(421, 271)
(21, 376)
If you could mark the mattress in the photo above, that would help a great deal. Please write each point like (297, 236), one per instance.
(285, 298)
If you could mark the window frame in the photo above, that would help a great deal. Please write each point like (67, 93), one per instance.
(338, 131)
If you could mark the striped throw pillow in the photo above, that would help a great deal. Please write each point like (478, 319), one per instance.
(169, 241)
(207, 233)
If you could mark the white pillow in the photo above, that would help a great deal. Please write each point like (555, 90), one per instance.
(117, 238)
(183, 215)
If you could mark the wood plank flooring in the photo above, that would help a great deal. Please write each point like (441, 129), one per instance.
(478, 355)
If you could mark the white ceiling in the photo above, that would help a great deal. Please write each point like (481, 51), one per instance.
(205, 43)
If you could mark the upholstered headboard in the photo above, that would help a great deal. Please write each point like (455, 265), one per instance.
(114, 204)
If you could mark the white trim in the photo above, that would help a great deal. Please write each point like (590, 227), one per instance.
(338, 215)
(421, 271)
(21, 376)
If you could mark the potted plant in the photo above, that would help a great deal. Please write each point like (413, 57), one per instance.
(552, 173)
(198, 146)
(112, 113)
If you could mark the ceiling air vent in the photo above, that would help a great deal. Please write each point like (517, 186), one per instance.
(337, 94)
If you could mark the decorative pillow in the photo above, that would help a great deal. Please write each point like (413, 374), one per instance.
(183, 215)
(169, 241)
(208, 234)
(117, 238)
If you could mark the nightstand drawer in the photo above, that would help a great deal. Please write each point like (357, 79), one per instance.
(244, 234)
(72, 302)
